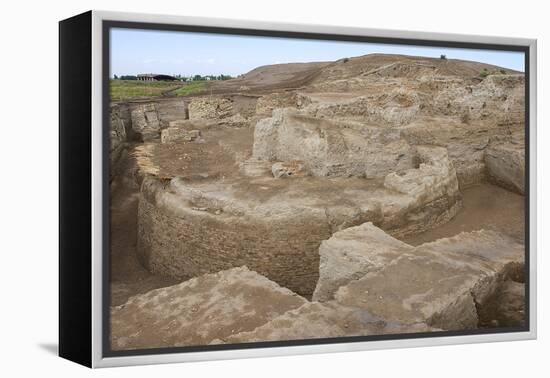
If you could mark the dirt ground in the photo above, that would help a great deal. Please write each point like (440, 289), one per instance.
(128, 276)
(485, 206)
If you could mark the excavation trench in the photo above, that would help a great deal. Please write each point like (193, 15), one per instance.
(485, 206)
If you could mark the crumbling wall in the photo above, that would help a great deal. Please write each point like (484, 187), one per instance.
(146, 122)
(118, 139)
(184, 241)
(186, 230)
(329, 148)
(266, 104)
(172, 109)
(466, 143)
(219, 109)
(498, 99)
(117, 129)
(435, 176)
(396, 107)
(210, 108)
(505, 160)
(431, 190)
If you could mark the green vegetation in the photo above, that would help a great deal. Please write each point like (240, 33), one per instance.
(127, 77)
(132, 89)
(345, 60)
(485, 72)
(206, 77)
(191, 87)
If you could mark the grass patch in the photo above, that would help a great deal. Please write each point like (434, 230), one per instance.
(485, 72)
(132, 89)
(191, 87)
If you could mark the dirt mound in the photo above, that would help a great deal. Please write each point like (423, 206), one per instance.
(384, 65)
(273, 77)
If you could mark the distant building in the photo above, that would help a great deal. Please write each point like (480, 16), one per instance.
(155, 77)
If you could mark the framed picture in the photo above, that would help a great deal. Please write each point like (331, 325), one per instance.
(232, 189)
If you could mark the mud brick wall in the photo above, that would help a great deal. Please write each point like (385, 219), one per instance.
(191, 243)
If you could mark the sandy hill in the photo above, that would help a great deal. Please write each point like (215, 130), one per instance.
(373, 66)
(402, 66)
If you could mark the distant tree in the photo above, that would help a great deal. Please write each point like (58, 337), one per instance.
(443, 57)
(197, 78)
(116, 77)
(128, 77)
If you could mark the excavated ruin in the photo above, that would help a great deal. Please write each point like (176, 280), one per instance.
(310, 176)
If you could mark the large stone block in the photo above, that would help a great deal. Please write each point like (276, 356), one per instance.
(505, 160)
(499, 253)
(195, 312)
(438, 283)
(315, 320)
(352, 253)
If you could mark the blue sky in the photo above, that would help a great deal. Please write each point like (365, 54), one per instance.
(136, 51)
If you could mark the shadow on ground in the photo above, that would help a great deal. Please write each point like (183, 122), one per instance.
(51, 348)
